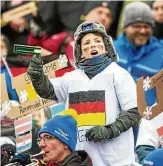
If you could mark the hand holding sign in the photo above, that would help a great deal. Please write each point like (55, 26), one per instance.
(35, 69)
(22, 83)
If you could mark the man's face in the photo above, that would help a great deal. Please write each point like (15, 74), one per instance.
(100, 14)
(54, 150)
(92, 45)
(138, 33)
(157, 11)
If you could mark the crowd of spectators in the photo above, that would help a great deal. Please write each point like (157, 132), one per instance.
(139, 50)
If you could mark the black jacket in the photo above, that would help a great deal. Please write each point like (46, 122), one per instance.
(77, 158)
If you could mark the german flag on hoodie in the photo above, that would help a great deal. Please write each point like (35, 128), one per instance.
(90, 107)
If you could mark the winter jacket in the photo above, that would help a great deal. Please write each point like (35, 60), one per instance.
(146, 60)
(77, 158)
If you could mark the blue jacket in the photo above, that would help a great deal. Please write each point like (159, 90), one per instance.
(144, 61)
(11, 92)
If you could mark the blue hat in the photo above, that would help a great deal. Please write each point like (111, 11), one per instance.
(155, 158)
(64, 127)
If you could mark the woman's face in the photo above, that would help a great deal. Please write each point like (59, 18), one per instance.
(92, 45)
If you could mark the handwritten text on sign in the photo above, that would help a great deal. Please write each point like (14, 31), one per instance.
(28, 98)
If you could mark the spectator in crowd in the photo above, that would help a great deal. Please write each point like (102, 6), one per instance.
(17, 29)
(7, 131)
(104, 131)
(157, 12)
(139, 52)
(100, 11)
(7, 152)
(7, 140)
(65, 16)
(154, 158)
(57, 139)
(16, 32)
(39, 117)
(148, 138)
(12, 60)
(104, 12)
(4, 69)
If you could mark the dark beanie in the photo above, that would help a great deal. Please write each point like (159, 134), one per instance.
(93, 4)
(136, 12)
(64, 127)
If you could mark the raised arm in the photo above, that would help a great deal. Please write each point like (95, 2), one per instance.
(41, 83)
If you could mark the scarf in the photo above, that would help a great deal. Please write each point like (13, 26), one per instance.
(95, 65)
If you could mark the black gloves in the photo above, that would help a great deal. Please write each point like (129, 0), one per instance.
(35, 69)
(22, 158)
(125, 120)
(42, 85)
(7, 152)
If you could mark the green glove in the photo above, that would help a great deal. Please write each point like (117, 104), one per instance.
(41, 84)
(98, 133)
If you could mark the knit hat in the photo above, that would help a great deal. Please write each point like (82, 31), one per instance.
(136, 12)
(93, 4)
(155, 158)
(64, 127)
(92, 27)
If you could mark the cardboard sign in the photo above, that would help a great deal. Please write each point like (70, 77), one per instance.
(4, 94)
(28, 107)
(23, 124)
(149, 83)
(24, 143)
(158, 125)
(28, 98)
(160, 133)
(4, 98)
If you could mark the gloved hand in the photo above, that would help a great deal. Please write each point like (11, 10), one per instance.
(22, 158)
(98, 133)
(35, 69)
(125, 121)
(40, 82)
(7, 152)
